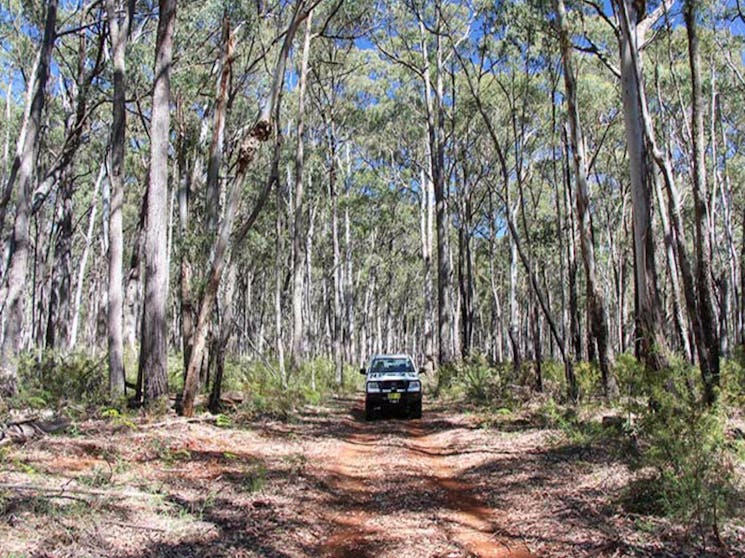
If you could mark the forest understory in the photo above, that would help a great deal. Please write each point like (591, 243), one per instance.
(461, 482)
(541, 203)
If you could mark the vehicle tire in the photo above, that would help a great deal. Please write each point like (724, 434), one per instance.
(415, 411)
(369, 412)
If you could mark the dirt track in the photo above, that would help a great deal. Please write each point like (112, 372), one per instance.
(402, 493)
(325, 484)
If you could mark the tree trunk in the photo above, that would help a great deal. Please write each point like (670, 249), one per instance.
(226, 330)
(426, 233)
(436, 131)
(261, 131)
(651, 344)
(212, 201)
(597, 313)
(25, 162)
(337, 268)
(575, 321)
(349, 326)
(279, 257)
(709, 347)
(72, 341)
(12, 174)
(58, 318)
(153, 340)
(119, 31)
(497, 325)
(297, 345)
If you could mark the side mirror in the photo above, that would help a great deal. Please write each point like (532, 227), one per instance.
(423, 370)
(363, 371)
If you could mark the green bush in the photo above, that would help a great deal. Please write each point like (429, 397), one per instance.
(733, 379)
(630, 375)
(266, 395)
(684, 443)
(589, 381)
(478, 380)
(55, 379)
(474, 380)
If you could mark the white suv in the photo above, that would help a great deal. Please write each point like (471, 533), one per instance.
(392, 383)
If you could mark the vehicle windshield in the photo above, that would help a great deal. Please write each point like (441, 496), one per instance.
(392, 365)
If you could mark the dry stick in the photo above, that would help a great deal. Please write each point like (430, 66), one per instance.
(66, 492)
(176, 422)
(135, 526)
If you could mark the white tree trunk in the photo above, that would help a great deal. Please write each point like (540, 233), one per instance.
(153, 340)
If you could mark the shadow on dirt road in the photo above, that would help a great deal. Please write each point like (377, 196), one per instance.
(395, 490)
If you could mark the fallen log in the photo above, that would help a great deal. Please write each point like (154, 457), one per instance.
(21, 431)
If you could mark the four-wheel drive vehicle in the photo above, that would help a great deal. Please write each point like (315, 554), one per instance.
(392, 383)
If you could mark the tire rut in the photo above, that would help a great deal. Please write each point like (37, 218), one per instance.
(376, 459)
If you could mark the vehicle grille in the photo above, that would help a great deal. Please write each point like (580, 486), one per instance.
(393, 384)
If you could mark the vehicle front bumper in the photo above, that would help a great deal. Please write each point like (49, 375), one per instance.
(393, 400)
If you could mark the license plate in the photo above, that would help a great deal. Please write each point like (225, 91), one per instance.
(394, 397)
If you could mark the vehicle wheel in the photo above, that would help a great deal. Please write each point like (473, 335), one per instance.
(415, 411)
(369, 412)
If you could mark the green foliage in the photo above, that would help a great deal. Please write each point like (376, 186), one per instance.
(733, 379)
(118, 418)
(684, 443)
(254, 478)
(267, 395)
(589, 381)
(630, 375)
(56, 379)
(474, 380)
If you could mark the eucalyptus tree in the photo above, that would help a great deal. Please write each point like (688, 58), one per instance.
(119, 18)
(709, 343)
(633, 25)
(153, 367)
(411, 36)
(22, 174)
(597, 314)
(298, 226)
(259, 132)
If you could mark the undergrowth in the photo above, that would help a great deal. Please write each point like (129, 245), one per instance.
(72, 383)
(76, 385)
(685, 461)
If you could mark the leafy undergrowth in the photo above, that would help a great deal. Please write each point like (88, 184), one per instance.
(678, 478)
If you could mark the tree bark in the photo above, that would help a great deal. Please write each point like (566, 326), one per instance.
(225, 331)
(436, 133)
(279, 257)
(297, 345)
(259, 133)
(25, 161)
(337, 267)
(426, 221)
(118, 30)
(652, 348)
(709, 347)
(72, 341)
(597, 313)
(153, 340)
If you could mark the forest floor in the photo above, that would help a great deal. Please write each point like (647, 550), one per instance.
(328, 484)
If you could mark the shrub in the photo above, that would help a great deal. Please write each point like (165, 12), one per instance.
(733, 379)
(266, 395)
(56, 378)
(684, 444)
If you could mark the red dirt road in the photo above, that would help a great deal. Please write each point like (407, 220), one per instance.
(404, 492)
(324, 483)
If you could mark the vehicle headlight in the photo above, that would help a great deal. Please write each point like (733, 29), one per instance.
(373, 387)
(414, 386)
